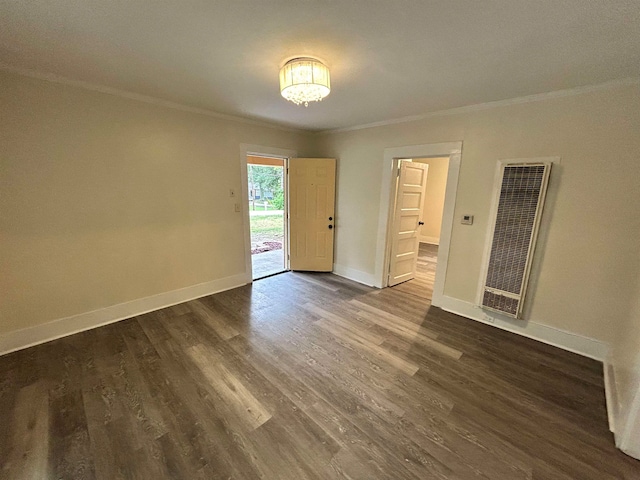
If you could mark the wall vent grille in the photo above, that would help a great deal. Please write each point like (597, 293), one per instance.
(515, 223)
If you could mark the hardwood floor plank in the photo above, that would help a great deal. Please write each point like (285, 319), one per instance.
(168, 456)
(389, 320)
(152, 325)
(213, 319)
(233, 392)
(358, 373)
(395, 361)
(69, 452)
(309, 452)
(415, 337)
(267, 363)
(471, 452)
(358, 456)
(335, 321)
(201, 419)
(417, 462)
(29, 432)
(340, 365)
(311, 278)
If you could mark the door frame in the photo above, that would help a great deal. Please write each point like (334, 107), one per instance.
(260, 151)
(392, 156)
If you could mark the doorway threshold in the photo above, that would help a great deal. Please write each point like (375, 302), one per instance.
(271, 275)
(267, 263)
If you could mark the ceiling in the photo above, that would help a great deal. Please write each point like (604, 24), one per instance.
(388, 59)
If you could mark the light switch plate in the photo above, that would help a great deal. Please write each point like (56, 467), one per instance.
(232, 192)
(467, 220)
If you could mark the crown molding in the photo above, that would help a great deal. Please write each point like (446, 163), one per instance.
(538, 97)
(54, 78)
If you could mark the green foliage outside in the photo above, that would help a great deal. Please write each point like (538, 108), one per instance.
(278, 200)
(267, 179)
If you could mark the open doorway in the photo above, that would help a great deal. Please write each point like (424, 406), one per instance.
(428, 227)
(267, 205)
(390, 170)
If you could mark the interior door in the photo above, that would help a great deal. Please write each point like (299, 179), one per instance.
(311, 213)
(407, 219)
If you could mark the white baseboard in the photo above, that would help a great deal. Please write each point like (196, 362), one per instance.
(626, 416)
(355, 275)
(572, 342)
(62, 327)
(430, 240)
(627, 440)
(611, 393)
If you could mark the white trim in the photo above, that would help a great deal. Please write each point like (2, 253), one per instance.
(62, 327)
(625, 411)
(52, 77)
(429, 240)
(588, 347)
(391, 155)
(628, 442)
(611, 392)
(446, 228)
(258, 150)
(355, 275)
(538, 97)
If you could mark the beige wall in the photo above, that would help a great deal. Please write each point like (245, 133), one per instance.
(433, 198)
(582, 279)
(104, 200)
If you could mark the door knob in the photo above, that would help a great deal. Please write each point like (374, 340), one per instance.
(330, 218)
(420, 223)
(330, 227)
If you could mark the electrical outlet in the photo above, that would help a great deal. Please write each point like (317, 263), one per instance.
(232, 192)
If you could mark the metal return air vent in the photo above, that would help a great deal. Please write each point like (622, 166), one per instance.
(515, 223)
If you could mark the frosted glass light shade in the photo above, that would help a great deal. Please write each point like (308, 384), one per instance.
(304, 80)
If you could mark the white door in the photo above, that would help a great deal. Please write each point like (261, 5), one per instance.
(407, 219)
(311, 213)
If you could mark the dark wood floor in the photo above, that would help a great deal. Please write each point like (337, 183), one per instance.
(422, 285)
(305, 376)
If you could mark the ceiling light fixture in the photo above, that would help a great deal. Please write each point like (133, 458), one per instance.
(304, 80)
